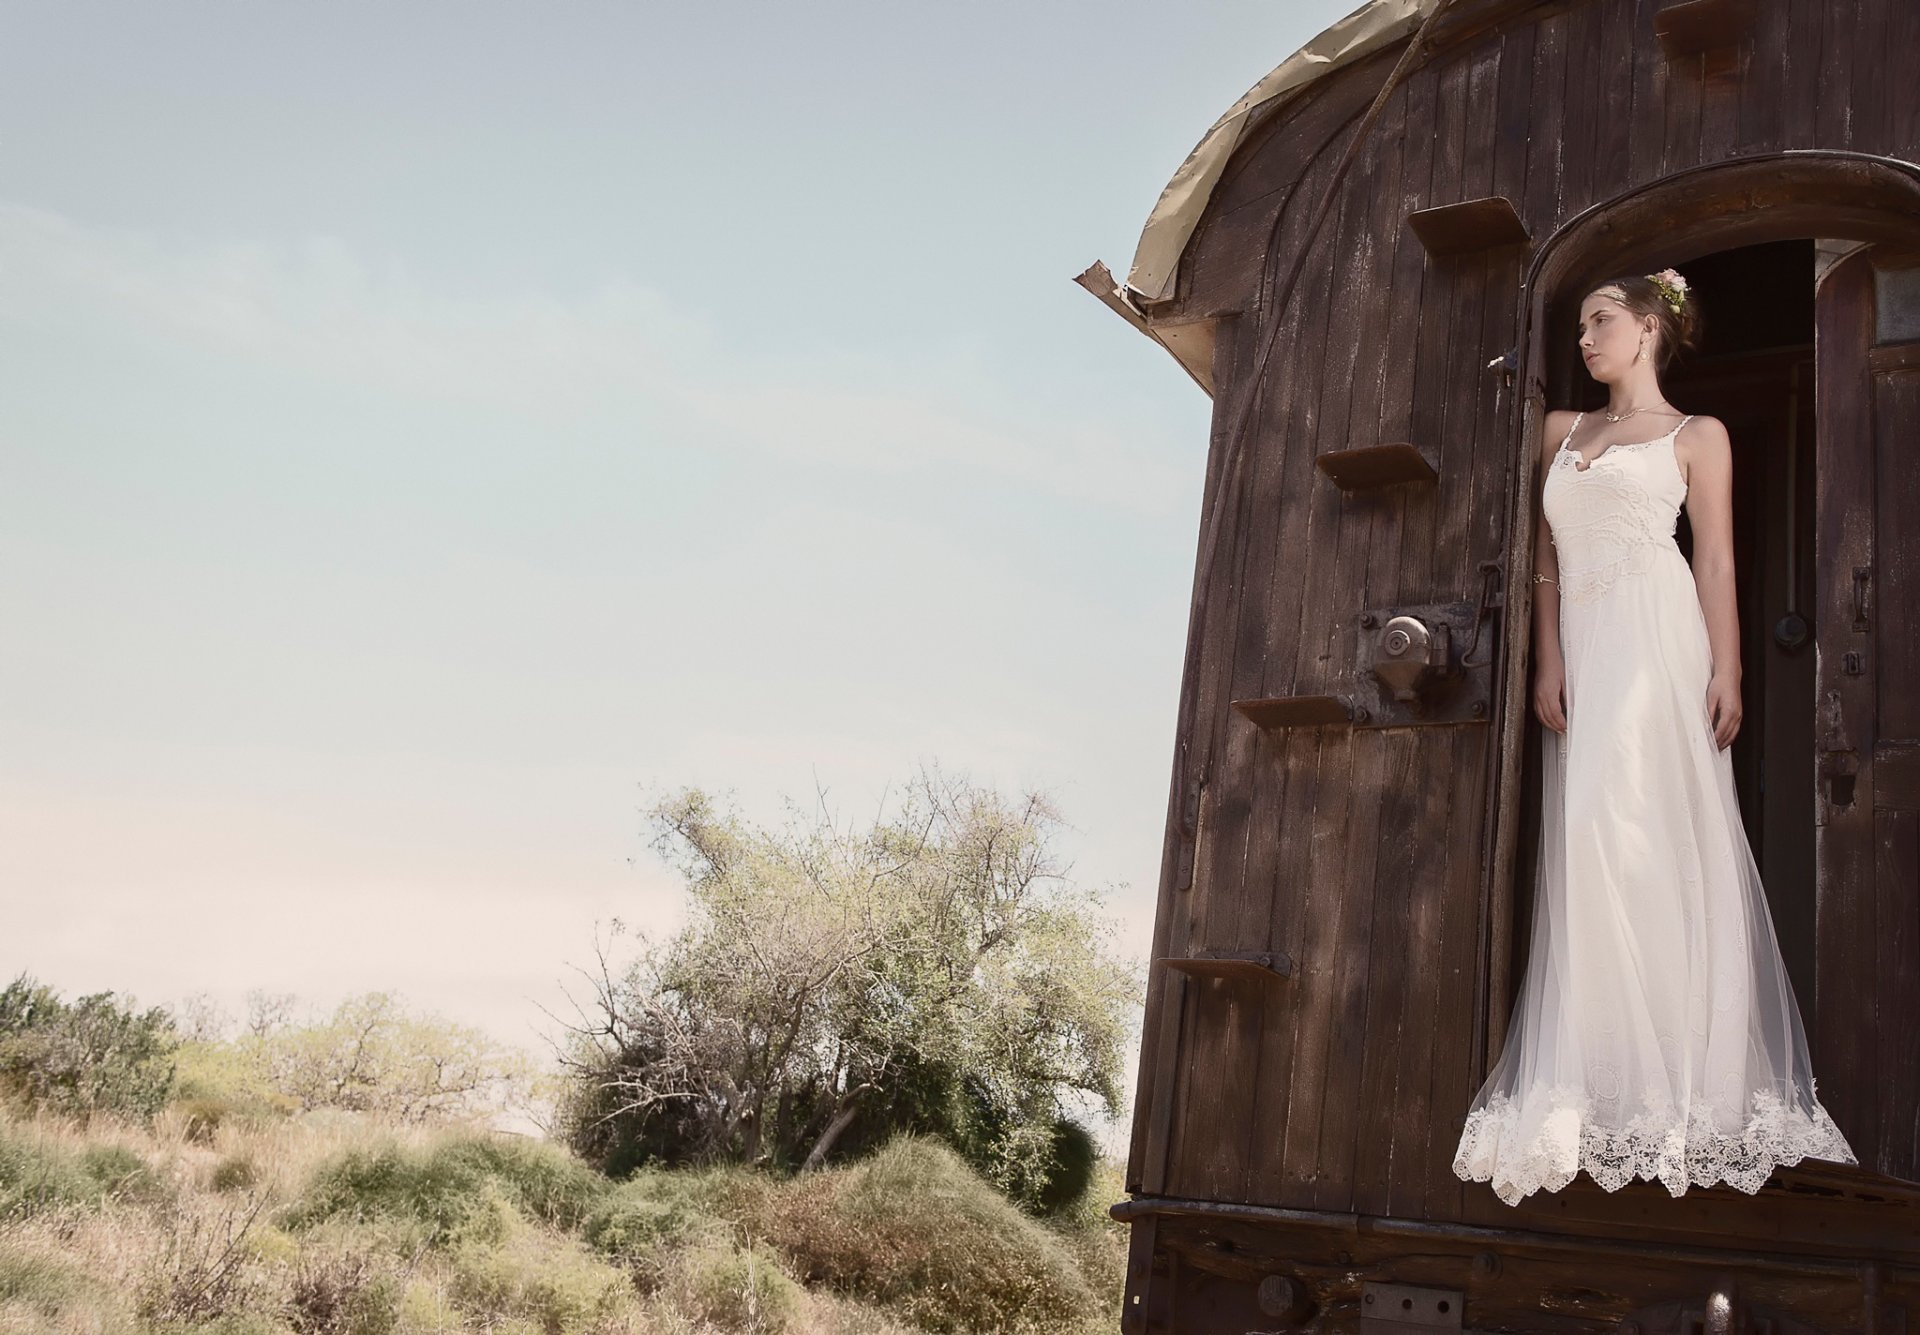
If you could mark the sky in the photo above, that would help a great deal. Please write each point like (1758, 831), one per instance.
(427, 430)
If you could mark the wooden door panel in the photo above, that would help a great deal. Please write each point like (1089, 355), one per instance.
(1846, 951)
(1867, 908)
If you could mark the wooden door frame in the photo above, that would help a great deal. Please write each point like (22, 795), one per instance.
(1745, 201)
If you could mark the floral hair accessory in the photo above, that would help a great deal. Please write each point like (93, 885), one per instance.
(1672, 286)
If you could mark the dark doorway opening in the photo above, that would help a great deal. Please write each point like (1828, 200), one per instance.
(1755, 372)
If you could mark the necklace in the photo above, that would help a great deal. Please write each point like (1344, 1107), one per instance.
(1608, 414)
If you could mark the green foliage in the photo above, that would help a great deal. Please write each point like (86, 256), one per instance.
(38, 1174)
(234, 1172)
(464, 1187)
(1074, 1161)
(48, 1288)
(917, 1230)
(647, 1221)
(217, 1082)
(370, 1055)
(935, 973)
(741, 1289)
(448, 1232)
(94, 1055)
(553, 1285)
(544, 1180)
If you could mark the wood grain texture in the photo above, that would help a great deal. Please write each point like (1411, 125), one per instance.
(1845, 927)
(1159, 1079)
(1361, 853)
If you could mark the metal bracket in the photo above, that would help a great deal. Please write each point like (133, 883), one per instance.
(1405, 1309)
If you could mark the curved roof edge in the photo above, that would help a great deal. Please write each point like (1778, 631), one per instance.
(1156, 259)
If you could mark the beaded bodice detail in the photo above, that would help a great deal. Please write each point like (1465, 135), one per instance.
(1613, 517)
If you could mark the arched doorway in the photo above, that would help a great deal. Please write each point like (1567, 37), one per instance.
(1809, 267)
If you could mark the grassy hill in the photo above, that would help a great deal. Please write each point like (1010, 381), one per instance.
(337, 1224)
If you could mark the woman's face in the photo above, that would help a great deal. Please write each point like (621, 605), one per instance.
(1609, 337)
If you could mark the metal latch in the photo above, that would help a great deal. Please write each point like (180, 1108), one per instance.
(1413, 666)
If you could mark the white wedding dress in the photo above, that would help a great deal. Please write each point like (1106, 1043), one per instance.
(1656, 1035)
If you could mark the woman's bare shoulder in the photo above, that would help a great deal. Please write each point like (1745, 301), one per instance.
(1704, 438)
(1700, 426)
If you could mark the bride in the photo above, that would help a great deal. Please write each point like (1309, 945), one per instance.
(1656, 1034)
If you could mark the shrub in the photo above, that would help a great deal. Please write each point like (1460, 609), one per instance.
(449, 1199)
(52, 1293)
(463, 1187)
(119, 1171)
(918, 1231)
(646, 1222)
(201, 1275)
(236, 1172)
(740, 1289)
(38, 1174)
(551, 1283)
(343, 1293)
(1075, 1158)
(544, 1180)
(89, 1056)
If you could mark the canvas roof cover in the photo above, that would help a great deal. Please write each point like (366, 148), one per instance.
(1156, 259)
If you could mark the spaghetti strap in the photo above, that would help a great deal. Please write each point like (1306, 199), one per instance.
(1570, 430)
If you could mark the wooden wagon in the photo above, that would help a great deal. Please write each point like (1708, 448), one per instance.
(1373, 263)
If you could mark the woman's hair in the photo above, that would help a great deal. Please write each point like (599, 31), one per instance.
(1679, 330)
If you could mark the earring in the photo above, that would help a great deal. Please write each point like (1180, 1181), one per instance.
(1643, 351)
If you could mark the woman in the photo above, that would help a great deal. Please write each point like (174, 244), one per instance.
(1656, 1034)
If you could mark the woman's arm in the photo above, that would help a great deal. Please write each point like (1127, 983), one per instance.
(1549, 663)
(1708, 461)
(1546, 560)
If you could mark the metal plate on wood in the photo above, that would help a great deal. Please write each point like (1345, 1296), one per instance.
(1462, 693)
(1406, 1309)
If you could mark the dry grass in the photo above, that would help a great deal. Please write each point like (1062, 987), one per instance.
(334, 1225)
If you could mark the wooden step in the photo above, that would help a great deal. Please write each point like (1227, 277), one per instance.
(1261, 964)
(1688, 27)
(1373, 466)
(1472, 224)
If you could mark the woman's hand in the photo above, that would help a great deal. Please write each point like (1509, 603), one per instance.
(1550, 693)
(1723, 709)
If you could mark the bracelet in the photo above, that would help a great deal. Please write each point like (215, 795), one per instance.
(1545, 579)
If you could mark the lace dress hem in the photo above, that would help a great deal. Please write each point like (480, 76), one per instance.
(1654, 1146)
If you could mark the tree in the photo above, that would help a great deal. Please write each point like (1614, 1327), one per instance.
(370, 1055)
(89, 1056)
(934, 972)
